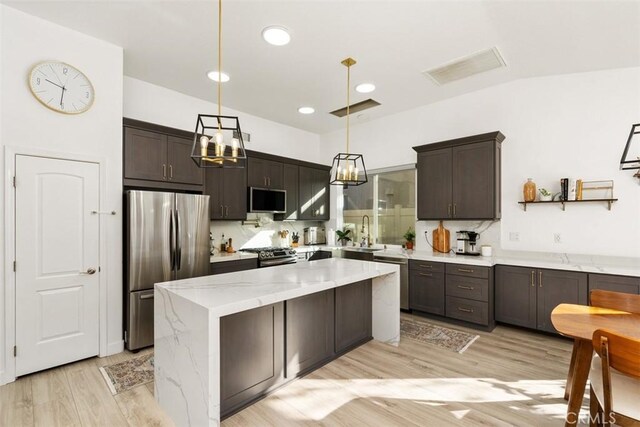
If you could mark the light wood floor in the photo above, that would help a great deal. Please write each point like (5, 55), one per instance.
(507, 377)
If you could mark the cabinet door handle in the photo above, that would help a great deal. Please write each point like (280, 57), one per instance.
(269, 180)
(264, 178)
(221, 211)
(426, 266)
(454, 209)
(465, 270)
(533, 278)
(449, 210)
(164, 171)
(468, 288)
(170, 171)
(540, 278)
(465, 310)
(226, 211)
(426, 274)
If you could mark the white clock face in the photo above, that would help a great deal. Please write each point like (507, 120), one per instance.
(61, 87)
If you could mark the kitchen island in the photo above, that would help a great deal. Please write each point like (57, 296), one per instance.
(224, 341)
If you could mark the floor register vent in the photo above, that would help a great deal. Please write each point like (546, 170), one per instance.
(476, 63)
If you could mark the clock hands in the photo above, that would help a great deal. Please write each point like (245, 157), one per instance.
(55, 84)
(62, 96)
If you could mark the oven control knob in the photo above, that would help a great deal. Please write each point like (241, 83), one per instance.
(263, 254)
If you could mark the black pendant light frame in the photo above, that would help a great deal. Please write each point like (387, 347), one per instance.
(208, 125)
(625, 163)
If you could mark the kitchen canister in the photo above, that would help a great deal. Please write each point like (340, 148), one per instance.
(485, 250)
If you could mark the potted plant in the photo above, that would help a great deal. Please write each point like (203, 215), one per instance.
(410, 236)
(545, 196)
(343, 236)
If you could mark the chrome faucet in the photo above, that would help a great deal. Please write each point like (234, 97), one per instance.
(368, 229)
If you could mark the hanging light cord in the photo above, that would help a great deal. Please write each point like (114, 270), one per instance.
(219, 60)
(348, 102)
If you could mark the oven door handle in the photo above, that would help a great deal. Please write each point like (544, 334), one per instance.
(280, 261)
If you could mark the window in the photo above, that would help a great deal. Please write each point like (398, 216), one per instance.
(388, 199)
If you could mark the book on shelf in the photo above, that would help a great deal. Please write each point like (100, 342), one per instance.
(571, 189)
(579, 189)
(564, 188)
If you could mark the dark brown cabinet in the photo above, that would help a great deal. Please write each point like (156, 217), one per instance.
(313, 194)
(154, 156)
(607, 282)
(252, 355)
(263, 173)
(426, 287)
(233, 266)
(227, 188)
(460, 178)
(309, 331)
(527, 296)
(352, 315)
(290, 185)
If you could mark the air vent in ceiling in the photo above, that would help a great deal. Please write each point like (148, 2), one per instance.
(354, 108)
(476, 63)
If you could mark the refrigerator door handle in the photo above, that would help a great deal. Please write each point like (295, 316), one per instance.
(172, 241)
(178, 243)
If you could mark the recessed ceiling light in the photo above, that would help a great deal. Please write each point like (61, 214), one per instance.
(277, 36)
(216, 76)
(365, 87)
(306, 110)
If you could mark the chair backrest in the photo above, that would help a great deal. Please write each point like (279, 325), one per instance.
(615, 300)
(622, 353)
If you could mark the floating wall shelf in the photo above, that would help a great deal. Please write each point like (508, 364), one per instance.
(563, 202)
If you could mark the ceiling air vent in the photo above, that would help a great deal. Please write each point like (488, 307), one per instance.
(476, 63)
(354, 108)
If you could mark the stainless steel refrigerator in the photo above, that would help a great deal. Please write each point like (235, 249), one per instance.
(167, 238)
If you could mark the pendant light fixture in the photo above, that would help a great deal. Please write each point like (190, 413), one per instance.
(348, 168)
(631, 154)
(217, 140)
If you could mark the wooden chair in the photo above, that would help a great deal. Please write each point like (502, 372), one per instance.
(606, 299)
(615, 380)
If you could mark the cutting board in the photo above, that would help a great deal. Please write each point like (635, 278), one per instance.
(441, 239)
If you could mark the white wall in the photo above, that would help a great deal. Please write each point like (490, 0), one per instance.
(571, 125)
(24, 122)
(155, 104)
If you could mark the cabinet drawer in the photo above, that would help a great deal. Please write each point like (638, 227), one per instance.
(468, 270)
(426, 266)
(468, 310)
(468, 287)
(222, 267)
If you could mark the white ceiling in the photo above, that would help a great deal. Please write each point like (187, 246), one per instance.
(173, 44)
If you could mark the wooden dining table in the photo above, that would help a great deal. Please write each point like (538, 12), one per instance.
(579, 322)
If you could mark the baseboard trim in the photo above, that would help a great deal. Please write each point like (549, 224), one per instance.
(114, 348)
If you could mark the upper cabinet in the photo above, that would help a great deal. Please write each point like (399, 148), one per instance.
(227, 190)
(313, 194)
(460, 178)
(263, 173)
(291, 185)
(157, 159)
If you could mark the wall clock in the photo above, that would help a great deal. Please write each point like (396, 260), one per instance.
(61, 87)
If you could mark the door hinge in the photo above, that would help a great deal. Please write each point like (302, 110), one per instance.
(99, 269)
(15, 351)
(125, 336)
(14, 182)
(14, 266)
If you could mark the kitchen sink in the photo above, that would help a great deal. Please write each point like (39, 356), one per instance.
(363, 249)
(363, 254)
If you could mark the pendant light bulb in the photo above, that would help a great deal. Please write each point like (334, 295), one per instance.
(204, 144)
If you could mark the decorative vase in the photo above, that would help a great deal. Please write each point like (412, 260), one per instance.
(409, 245)
(529, 190)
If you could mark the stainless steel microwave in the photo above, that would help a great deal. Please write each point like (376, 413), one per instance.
(267, 200)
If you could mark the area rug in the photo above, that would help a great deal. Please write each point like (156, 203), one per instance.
(450, 339)
(123, 376)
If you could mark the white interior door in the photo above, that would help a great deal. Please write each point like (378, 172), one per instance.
(57, 252)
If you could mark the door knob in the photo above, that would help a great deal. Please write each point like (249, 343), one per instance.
(89, 271)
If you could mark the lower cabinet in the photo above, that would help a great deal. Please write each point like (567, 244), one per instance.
(527, 296)
(221, 267)
(469, 294)
(309, 331)
(353, 315)
(629, 285)
(252, 357)
(263, 348)
(426, 290)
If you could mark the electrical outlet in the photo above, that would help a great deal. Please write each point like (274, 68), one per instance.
(514, 236)
(557, 238)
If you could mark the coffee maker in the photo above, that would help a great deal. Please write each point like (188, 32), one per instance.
(467, 243)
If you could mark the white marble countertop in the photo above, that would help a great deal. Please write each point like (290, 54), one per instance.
(230, 293)
(585, 263)
(221, 257)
